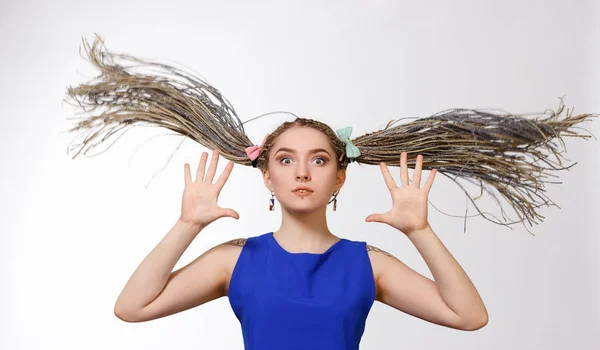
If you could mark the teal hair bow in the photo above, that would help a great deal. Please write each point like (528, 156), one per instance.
(351, 150)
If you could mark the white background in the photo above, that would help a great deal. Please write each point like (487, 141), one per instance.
(73, 231)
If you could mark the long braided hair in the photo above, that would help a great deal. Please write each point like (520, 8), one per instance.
(500, 152)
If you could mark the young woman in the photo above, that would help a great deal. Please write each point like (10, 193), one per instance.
(302, 286)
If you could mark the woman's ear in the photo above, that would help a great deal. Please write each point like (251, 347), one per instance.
(340, 178)
(267, 179)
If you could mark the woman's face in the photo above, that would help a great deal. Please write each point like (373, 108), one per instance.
(302, 156)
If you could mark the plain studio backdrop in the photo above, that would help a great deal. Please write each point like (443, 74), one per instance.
(73, 231)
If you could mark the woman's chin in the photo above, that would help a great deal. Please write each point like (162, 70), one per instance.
(304, 207)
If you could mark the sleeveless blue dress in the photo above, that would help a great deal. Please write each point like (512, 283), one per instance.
(302, 301)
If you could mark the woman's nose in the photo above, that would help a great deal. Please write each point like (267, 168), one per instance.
(303, 178)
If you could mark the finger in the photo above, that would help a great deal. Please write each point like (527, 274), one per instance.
(187, 176)
(387, 177)
(231, 213)
(417, 172)
(403, 169)
(429, 182)
(201, 167)
(224, 176)
(374, 218)
(212, 168)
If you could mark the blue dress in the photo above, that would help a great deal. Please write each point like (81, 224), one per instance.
(302, 301)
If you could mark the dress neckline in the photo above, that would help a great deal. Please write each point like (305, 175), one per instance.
(280, 248)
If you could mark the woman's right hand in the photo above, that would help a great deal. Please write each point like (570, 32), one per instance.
(199, 205)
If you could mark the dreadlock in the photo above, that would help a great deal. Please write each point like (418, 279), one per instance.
(496, 150)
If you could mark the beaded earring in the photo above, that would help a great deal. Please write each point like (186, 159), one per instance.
(272, 202)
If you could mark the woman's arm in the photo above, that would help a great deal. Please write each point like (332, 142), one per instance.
(151, 276)
(454, 285)
(153, 291)
(451, 300)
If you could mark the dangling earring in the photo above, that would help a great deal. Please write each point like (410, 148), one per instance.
(334, 200)
(272, 202)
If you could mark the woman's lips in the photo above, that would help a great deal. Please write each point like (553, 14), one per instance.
(303, 194)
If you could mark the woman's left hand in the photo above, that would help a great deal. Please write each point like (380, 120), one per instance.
(409, 201)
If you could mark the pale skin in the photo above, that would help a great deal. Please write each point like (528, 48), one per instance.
(155, 290)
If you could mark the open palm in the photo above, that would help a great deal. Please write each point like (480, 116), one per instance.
(409, 201)
(199, 204)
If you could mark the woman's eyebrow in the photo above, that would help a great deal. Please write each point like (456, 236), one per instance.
(316, 150)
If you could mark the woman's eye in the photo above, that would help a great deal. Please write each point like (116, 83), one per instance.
(323, 161)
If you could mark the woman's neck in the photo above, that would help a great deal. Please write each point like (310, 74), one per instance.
(306, 232)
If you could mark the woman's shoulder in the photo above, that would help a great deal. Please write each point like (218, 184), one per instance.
(370, 248)
(365, 245)
(230, 251)
(238, 243)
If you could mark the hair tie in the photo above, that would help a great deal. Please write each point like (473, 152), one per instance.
(254, 151)
(351, 150)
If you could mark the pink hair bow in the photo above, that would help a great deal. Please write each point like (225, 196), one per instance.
(254, 151)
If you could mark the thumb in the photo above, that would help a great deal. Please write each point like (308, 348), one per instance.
(375, 218)
(231, 213)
